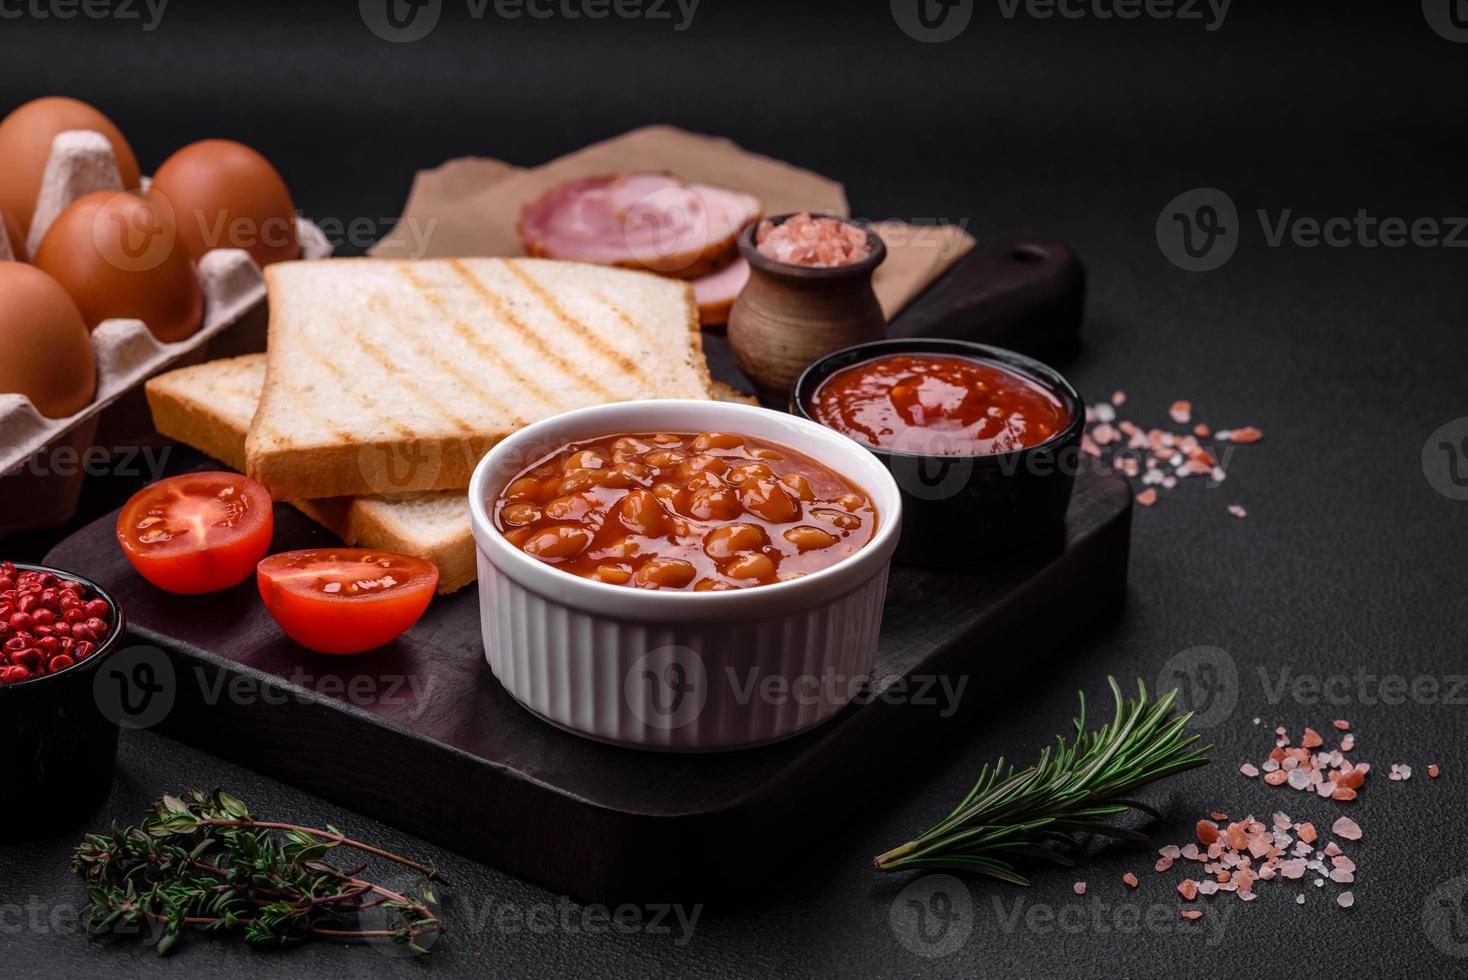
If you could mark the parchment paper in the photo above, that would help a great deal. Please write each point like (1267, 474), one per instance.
(468, 207)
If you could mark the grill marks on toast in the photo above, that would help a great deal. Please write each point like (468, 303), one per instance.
(324, 412)
(470, 384)
(474, 342)
(527, 332)
(638, 330)
(630, 367)
(387, 363)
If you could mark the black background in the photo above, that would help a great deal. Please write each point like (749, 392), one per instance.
(1076, 130)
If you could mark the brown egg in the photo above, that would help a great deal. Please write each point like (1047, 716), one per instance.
(25, 145)
(225, 195)
(45, 349)
(13, 235)
(119, 255)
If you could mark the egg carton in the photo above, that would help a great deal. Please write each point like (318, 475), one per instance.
(33, 493)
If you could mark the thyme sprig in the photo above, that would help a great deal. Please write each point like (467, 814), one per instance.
(203, 862)
(1074, 788)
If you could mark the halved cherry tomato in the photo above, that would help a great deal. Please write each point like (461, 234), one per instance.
(345, 600)
(200, 532)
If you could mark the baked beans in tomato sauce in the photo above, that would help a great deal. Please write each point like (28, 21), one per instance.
(693, 511)
(939, 406)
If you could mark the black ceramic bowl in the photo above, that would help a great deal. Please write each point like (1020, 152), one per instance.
(961, 511)
(59, 748)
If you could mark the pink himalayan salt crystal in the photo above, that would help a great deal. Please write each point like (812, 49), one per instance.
(1347, 828)
(1249, 769)
(1345, 900)
(1130, 879)
(805, 240)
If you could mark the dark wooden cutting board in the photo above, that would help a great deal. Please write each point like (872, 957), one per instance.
(421, 735)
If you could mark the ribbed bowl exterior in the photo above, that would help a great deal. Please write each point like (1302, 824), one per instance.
(679, 686)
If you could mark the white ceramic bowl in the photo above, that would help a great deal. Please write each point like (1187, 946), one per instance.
(689, 671)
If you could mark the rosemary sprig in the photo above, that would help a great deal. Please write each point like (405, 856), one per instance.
(203, 862)
(1073, 789)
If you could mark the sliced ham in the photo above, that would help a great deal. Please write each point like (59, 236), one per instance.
(716, 293)
(652, 221)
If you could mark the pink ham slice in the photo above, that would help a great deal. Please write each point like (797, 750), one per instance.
(715, 293)
(652, 221)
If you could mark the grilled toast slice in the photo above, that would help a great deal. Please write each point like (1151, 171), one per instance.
(392, 376)
(209, 406)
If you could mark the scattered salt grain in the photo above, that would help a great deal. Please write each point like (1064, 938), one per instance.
(1237, 511)
(1181, 412)
(1129, 878)
(1432, 771)
(1147, 497)
(1191, 913)
(1345, 900)
(1080, 888)
(1347, 828)
(1300, 899)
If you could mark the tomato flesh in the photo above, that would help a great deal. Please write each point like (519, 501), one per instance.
(196, 533)
(345, 600)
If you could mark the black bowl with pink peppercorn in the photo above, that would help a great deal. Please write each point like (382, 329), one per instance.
(56, 631)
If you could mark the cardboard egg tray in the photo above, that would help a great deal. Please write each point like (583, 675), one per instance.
(41, 459)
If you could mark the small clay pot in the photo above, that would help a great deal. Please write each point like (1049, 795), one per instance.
(787, 316)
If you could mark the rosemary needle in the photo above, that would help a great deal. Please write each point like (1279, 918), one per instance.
(1074, 788)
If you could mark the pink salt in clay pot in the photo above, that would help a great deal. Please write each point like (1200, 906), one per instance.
(809, 293)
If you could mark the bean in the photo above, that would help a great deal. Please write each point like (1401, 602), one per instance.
(769, 500)
(694, 465)
(612, 574)
(630, 445)
(799, 485)
(558, 542)
(729, 540)
(712, 585)
(808, 538)
(572, 507)
(525, 488)
(714, 505)
(663, 458)
(750, 471)
(586, 459)
(841, 519)
(664, 573)
(520, 513)
(717, 440)
(641, 512)
(750, 566)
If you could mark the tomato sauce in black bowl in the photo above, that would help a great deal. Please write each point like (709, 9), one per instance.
(984, 443)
